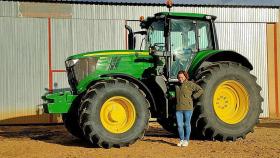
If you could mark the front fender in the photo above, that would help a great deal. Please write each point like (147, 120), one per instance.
(141, 85)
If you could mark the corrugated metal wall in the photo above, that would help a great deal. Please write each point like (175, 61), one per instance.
(224, 14)
(8, 9)
(23, 68)
(24, 50)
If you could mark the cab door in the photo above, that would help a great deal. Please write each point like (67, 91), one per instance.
(187, 37)
(183, 44)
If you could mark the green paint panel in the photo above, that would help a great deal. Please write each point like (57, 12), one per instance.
(109, 53)
(133, 64)
(58, 102)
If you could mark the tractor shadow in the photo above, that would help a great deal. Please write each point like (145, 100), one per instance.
(55, 134)
(156, 134)
(158, 131)
(160, 141)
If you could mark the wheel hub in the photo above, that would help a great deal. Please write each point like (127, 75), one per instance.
(117, 114)
(231, 102)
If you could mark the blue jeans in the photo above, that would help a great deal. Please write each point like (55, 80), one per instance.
(180, 123)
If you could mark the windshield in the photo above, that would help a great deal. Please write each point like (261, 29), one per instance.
(156, 36)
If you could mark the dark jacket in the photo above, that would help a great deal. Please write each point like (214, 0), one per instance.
(184, 94)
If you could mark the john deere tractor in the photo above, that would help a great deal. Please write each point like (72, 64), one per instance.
(114, 93)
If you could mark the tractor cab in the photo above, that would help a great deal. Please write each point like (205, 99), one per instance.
(176, 38)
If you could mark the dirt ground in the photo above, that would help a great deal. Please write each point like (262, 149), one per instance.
(55, 142)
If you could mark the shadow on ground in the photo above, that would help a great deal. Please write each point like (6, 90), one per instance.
(49, 133)
(159, 141)
(57, 134)
(158, 131)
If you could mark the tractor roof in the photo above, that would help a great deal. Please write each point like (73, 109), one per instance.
(186, 15)
(147, 22)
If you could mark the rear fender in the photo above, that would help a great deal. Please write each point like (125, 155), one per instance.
(207, 57)
(230, 56)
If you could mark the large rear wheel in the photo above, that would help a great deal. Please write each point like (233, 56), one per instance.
(231, 103)
(114, 113)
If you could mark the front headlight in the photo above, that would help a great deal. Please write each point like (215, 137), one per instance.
(71, 62)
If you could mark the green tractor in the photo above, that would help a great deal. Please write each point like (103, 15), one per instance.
(114, 93)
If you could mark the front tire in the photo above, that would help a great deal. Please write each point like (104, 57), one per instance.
(71, 119)
(231, 103)
(114, 113)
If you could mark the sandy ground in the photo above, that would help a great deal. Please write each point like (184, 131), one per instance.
(56, 142)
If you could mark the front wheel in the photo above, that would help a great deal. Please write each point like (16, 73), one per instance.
(231, 103)
(71, 119)
(114, 113)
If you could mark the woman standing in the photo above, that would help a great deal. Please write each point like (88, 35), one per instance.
(184, 108)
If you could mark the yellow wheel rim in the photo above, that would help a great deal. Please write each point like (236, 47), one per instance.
(117, 114)
(231, 102)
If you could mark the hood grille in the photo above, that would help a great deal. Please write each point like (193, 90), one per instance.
(80, 70)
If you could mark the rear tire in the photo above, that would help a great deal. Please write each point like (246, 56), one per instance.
(226, 84)
(114, 113)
